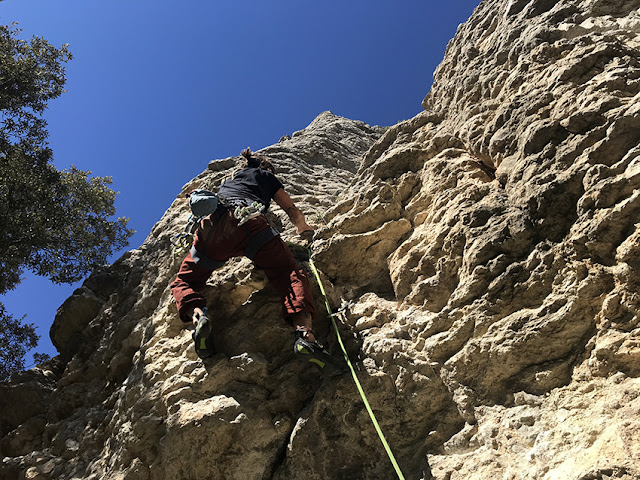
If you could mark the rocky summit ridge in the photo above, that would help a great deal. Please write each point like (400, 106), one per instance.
(485, 259)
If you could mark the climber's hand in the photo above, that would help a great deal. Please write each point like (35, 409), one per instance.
(196, 314)
(306, 236)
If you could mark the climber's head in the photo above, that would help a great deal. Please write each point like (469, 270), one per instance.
(251, 160)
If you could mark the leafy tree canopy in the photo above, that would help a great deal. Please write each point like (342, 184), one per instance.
(57, 224)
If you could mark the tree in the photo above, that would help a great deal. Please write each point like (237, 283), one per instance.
(54, 223)
(16, 339)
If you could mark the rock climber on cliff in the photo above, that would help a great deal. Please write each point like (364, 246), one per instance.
(232, 224)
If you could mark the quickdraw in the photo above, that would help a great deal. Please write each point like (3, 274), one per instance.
(244, 213)
(181, 244)
(182, 241)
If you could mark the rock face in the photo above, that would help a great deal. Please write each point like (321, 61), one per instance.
(486, 257)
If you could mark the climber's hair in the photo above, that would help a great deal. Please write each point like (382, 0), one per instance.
(251, 160)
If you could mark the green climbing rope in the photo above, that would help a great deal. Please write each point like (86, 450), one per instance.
(353, 373)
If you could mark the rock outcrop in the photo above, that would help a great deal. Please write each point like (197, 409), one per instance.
(486, 261)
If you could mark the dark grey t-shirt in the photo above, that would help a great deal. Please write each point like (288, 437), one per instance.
(251, 184)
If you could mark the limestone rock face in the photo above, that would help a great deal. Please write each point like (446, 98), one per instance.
(483, 261)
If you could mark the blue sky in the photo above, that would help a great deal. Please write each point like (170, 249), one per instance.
(157, 89)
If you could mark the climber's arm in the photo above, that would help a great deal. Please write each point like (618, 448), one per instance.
(283, 200)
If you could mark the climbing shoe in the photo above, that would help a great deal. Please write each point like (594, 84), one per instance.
(202, 338)
(316, 354)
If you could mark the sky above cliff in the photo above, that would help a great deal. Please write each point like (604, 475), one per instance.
(157, 89)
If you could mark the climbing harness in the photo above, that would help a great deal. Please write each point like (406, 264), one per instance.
(205, 202)
(353, 372)
(243, 212)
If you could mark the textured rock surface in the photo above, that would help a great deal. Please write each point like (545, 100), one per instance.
(487, 257)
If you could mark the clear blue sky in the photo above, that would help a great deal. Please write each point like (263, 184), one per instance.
(157, 89)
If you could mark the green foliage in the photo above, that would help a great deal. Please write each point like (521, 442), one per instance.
(15, 339)
(40, 358)
(31, 74)
(54, 223)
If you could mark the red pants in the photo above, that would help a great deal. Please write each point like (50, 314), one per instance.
(224, 239)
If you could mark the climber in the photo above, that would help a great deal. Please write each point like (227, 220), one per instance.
(234, 226)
